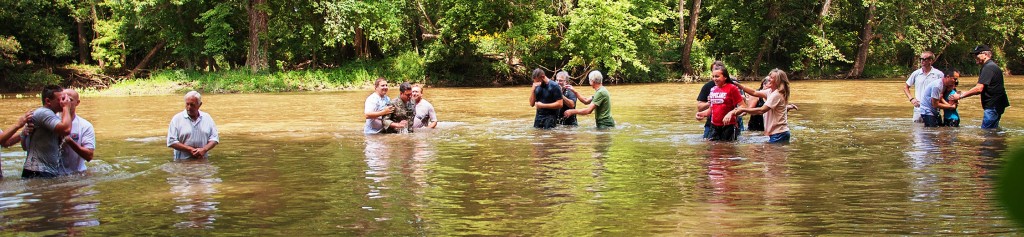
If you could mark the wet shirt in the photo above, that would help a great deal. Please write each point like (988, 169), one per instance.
(919, 80)
(374, 103)
(723, 99)
(933, 91)
(194, 133)
(403, 111)
(44, 145)
(703, 97)
(993, 96)
(83, 134)
(547, 93)
(603, 111)
(424, 114)
(776, 119)
(571, 120)
(950, 114)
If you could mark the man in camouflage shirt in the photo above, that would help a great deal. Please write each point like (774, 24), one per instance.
(404, 110)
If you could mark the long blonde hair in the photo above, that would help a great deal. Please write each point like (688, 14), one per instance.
(782, 82)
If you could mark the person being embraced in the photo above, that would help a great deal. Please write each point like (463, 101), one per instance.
(724, 98)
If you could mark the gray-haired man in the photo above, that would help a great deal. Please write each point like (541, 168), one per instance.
(192, 133)
(601, 101)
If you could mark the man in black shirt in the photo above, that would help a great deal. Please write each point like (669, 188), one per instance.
(990, 86)
(547, 97)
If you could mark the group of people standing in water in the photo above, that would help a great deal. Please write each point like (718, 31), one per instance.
(59, 142)
(936, 98)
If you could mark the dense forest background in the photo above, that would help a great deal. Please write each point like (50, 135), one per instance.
(487, 42)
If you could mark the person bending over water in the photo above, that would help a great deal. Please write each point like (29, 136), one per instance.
(547, 97)
(192, 133)
(600, 102)
(935, 99)
(775, 108)
(724, 97)
(44, 160)
(425, 115)
(6, 136)
(950, 117)
(376, 107)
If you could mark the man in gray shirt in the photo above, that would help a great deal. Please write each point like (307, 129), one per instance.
(44, 158)
(192, 133)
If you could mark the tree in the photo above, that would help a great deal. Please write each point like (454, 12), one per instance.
(257, 59)
(688, 45)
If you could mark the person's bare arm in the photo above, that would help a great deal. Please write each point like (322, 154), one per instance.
(751, 91)
(376, 114)
(567, 102)
(584, 111)
(64, 127)
(973, 91)
(82, 151)
(906, 91)
(584, 100)
(553, 105)
(182, 147)
(704, 113)
(943, 104)
(533, 95)
(7, 137)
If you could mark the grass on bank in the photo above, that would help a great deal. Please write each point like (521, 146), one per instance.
(358, 74)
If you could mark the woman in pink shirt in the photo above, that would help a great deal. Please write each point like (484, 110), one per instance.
(775, 108)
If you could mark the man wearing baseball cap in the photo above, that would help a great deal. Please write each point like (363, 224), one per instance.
(990, 86)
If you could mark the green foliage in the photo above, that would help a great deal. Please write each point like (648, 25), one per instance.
(406, 66)
(469, 42)
(31, 80)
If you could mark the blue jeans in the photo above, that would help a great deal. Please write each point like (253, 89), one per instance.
(931, 120)
(782, 137)
(992, 116)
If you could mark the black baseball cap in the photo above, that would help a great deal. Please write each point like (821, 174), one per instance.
(980, 48)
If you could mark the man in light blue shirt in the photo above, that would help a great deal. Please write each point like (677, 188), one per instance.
(192, 133)
(920, 78)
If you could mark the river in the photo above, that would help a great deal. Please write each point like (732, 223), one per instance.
(298, 164)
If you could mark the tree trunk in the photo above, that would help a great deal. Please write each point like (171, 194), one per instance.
(688, 45)
(95, 34)
(823, 14)
(257, 59)
(145, 60)
(682, 29)
(755, 68)
(83, 49)
(821, 28)
(866, 35)
(361, 46)
(766, 42)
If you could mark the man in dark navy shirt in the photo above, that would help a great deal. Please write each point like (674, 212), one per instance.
(568, 98)
(547, 97)
(990, 85)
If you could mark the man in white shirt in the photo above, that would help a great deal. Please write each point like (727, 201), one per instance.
(80, 144)
(920, 79)
(192, 133)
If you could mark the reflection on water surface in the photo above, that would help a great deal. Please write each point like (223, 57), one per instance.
(299, 164)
